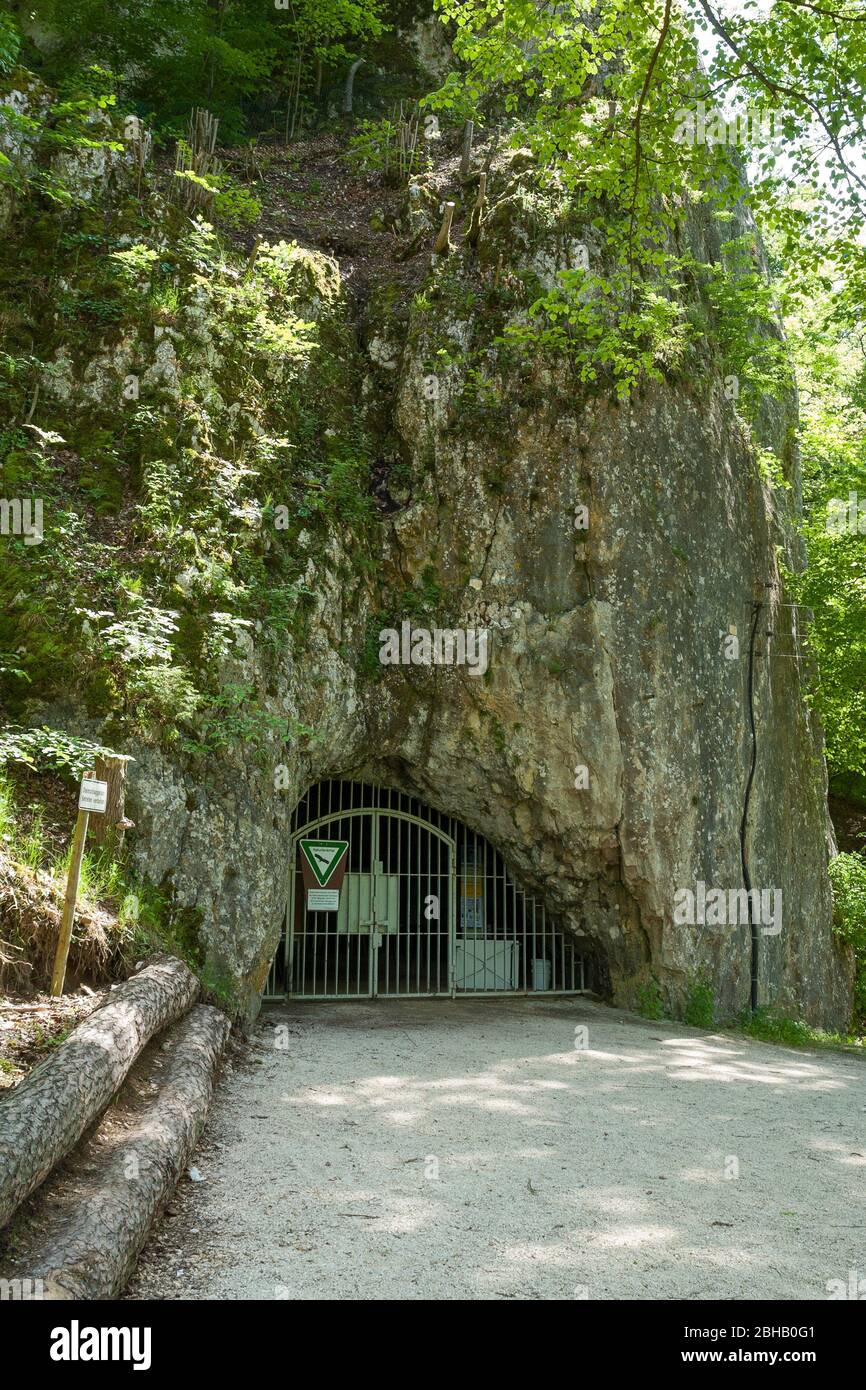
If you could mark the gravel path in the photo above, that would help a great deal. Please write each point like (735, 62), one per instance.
(429, 1149)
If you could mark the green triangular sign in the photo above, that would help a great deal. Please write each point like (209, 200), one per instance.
(323, 857)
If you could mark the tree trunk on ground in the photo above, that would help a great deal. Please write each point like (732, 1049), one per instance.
(48, 1112)
(91, 1252)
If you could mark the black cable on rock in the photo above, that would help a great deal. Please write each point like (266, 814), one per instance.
(747, 878)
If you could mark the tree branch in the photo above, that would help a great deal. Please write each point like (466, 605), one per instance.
(663, 33)
(780, 89)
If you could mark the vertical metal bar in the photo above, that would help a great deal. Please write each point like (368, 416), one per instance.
(419, 832)
(305, 924)
(290, 926)
(371, 950)
(510, 895)
(424, 918)
(388, 959)
(534, 942)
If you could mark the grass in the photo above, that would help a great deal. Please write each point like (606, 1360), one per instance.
(119, 917)
(32, 846)
(769, 1026)
(766, 1024)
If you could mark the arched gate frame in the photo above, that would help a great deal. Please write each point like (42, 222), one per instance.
(427, 908)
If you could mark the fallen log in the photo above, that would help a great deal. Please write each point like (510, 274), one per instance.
(91, 1252)
(46, 1115)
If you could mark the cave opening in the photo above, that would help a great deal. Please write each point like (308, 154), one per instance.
(408, 902)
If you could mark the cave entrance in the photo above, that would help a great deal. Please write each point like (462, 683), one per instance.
(426, 908)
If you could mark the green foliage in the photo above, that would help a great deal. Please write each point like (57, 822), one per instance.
(234, 203)
(47, 749)
(33, 845)
(240, 58)
(848, 877)
(198, 482)
(699, 1007)
(370, 148)
(10, 42)
(390, 147)
(581, 320)
(771, 1026)
(832, 442)
(7, 811)
(608, 98)
(649, 1000)
(232, 715)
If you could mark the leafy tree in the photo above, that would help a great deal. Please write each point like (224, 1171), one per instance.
(237, 57)
(611, 98)
(831, 369)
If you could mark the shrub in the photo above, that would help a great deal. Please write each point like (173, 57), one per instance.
(699, 1006)
(848, 877)
(649, 1000)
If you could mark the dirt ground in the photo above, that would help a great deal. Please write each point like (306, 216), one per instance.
(480, 1150)
(30, 1028)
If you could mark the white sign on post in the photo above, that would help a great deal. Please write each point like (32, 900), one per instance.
(93, 795)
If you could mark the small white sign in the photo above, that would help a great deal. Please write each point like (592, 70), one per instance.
(93, 795)
(323, 899)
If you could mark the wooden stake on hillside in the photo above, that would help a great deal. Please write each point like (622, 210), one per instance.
(477, 216)
(92, 796)
(466, 158)
(349, 89)
(443, 240)
(66, 922)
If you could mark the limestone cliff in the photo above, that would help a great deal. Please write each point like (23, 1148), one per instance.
(611, 549)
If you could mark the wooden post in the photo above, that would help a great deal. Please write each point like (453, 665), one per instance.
(349, 89)
(253, 257)
(443, 240)
(108, 829)
(477, 216)
(59, 973)
(466, 157)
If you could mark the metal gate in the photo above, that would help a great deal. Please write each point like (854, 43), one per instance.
(427, 908)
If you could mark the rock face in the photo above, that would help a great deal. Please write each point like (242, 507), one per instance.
(615, 553)
(606, 751)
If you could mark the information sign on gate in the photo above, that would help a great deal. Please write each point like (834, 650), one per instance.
(323, 863)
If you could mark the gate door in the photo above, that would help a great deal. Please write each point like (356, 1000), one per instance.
(391, 933)
(426, 907)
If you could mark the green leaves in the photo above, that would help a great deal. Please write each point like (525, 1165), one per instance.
(46, 749)
(582, 319)
(616, 111)
(848, 877)
(10, 43)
